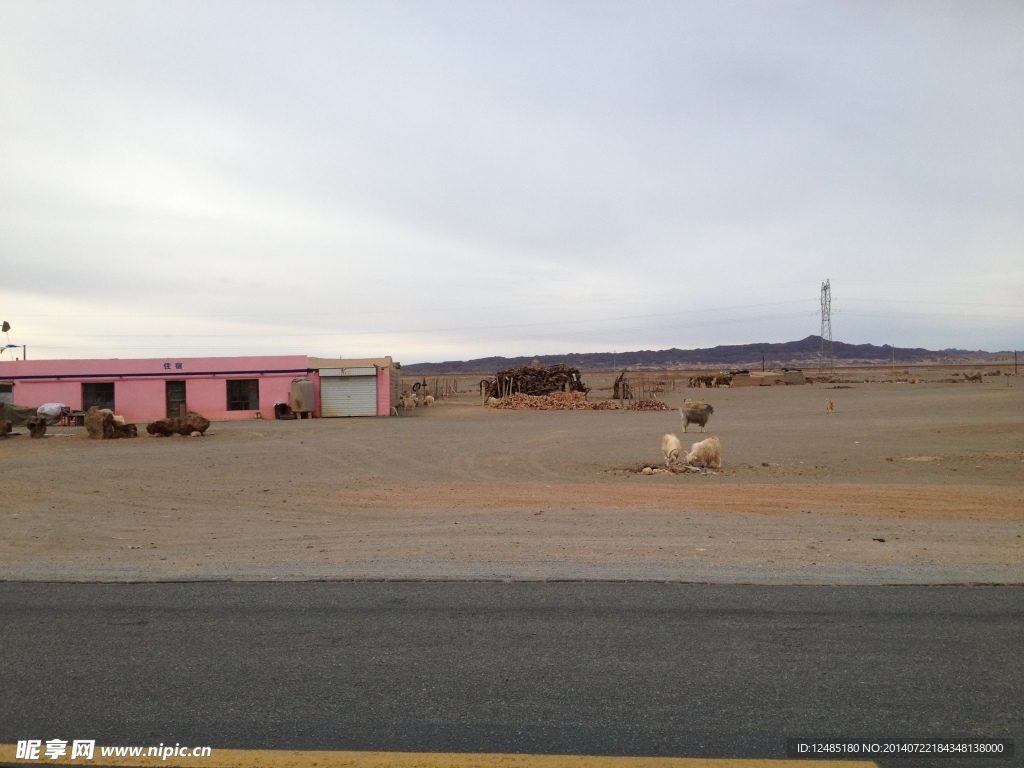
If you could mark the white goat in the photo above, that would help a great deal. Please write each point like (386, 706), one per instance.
(706, 453)
(671, 447)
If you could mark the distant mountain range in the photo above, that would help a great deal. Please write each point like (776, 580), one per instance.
(791, 354)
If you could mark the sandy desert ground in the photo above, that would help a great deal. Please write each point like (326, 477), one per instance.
(904, 483)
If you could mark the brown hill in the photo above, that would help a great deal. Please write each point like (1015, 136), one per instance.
(792, 354)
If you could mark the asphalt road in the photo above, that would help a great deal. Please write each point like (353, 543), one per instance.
(596, 668)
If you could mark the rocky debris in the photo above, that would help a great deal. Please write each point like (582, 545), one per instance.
(37, 426)
(675, 469)
(164, 427)
(195, 422)
(101, 424)
(556, 401)
(94, 420)
(123, 431)
(191, 424)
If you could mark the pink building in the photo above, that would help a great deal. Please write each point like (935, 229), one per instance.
(217, 387)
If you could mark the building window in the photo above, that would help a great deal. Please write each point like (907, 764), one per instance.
(100, 395)
(244, 395)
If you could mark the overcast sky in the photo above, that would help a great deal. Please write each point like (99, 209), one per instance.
(449, 180)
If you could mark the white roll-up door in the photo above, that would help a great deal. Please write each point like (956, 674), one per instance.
(348, 395)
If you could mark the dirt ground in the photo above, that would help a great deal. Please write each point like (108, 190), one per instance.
(904, 483)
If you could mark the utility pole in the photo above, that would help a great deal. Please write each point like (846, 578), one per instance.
(826, 329)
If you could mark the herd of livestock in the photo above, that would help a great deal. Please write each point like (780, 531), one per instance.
(705, 454)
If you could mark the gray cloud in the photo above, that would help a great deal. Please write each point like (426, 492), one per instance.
(316, 177)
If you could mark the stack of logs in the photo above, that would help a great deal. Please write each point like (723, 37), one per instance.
(533, 380)
(556, 401)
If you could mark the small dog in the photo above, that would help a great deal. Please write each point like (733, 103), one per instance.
(829, 406)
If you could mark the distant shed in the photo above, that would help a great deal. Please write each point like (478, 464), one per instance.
(767, 378)
(794, 377)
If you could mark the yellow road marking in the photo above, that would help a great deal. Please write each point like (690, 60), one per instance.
(274, 758)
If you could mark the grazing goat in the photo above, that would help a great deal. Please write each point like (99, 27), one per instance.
(671, 447)
(829, 406)
(698, 416)
(706, 453)
(428, 400)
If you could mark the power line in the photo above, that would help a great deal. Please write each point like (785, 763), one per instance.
(826, 328)
(354, 339)
(648, 298)
(458, 329)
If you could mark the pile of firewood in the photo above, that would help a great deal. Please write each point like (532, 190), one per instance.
(556, 401)
(648, 405)
(533, 380)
